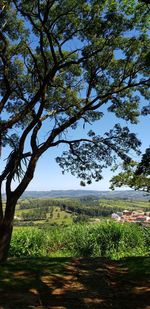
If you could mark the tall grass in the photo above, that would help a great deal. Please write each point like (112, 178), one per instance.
(109, 239)
(27, 241)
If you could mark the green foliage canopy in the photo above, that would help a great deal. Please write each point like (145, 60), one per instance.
(135, 175)
(61, 62)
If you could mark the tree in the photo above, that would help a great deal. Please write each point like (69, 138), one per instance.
(61, 62)
(135, 175)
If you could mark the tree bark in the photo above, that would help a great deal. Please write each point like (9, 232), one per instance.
(6, 221)
(6, 229)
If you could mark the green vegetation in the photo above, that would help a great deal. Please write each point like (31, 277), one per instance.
(54, 85)
(135, 175)
(109, 239)
(67, 227)
(65, 211)
(42, 215)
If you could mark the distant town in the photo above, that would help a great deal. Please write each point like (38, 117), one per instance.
(132, 216)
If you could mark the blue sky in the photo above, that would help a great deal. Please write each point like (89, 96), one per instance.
(48, 175)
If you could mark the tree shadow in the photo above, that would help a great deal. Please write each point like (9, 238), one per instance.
(67, 283)
(121, 284)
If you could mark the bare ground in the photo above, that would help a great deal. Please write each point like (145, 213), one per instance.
(62, 283)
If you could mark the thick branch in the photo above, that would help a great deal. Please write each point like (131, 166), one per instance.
(4, 100)
(17, 156)
(27, 177)
(42, 52)
(27, 108)
(6, 81)
(1, 205)
(49, 36)
(63, 141)
(34, 137)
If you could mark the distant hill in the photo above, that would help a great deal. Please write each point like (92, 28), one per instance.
(128, 194)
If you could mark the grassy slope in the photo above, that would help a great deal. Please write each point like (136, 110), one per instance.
(124, 204)
(58, 216)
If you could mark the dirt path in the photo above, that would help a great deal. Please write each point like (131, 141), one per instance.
(74, 284)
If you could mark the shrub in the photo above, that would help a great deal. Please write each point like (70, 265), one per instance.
(109, 239)
(81, 242)
(27, 241)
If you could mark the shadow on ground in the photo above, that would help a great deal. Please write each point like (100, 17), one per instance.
(66, 283)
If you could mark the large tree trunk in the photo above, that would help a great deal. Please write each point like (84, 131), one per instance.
(6, 220)
(6, 228)
(5, 238)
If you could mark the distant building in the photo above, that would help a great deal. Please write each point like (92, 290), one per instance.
(127, 212)
(148, 218)
(132, 216)
(116, 217)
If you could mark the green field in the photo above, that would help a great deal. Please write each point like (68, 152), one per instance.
(65, 211)
(77, 227)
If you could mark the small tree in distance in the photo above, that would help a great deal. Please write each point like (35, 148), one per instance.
(61, 62)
